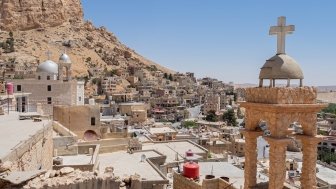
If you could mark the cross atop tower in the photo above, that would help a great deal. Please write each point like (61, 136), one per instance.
(49, 53)
(281, 30)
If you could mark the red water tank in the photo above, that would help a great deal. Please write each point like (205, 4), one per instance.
(10, 88)
(191, 170)
(189, 153)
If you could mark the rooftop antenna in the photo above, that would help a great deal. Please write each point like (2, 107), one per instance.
(211, 170)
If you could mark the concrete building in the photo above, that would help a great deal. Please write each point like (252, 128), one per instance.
(212, 102)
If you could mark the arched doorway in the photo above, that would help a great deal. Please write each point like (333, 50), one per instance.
(90, 135)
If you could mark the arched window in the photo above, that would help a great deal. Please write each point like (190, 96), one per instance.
(48, 77)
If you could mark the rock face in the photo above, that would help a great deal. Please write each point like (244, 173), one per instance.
(32, 14)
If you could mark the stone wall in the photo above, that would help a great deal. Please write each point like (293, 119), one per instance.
(78, 118)
(282, 95)
(69, 179)
(34, 153)
(181, 182)
(62, 93)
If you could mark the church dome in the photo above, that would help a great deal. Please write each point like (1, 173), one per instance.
(64, 58)
(48, 67)
(281, 66)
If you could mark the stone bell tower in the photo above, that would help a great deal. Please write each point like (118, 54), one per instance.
(64, 62)
(279, 107)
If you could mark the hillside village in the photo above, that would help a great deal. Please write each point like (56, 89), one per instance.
(79, 109)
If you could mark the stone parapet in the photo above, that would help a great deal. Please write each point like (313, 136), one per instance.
(282, 95)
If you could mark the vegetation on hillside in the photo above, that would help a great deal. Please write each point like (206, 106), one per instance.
(330, 109)
(211, 116)
(230, 117)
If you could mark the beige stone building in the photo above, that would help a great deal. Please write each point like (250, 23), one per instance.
(83, 120)
(135, 110)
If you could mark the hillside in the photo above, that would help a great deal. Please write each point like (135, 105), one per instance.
(58, 25)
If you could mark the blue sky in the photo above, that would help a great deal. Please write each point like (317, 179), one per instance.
(224, 39)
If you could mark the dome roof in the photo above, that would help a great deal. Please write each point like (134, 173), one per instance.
(64, 58)
(281, 66)
(48, 67)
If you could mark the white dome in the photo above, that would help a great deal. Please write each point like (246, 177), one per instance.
(64, 58)
(48, 67)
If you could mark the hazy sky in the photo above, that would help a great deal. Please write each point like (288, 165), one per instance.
(227, 40)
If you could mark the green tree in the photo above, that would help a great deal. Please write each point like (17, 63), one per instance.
(326, 155)
(235, 97)
(230, 117)
(8, 45)
(189, 124)
(330, 109)
(211, 116)
(170, 77)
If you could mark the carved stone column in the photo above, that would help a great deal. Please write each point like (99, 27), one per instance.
(309, 152)
(277, 165)
(250, 166)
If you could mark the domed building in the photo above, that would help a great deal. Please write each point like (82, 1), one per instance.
(47, 70)
(53, 86)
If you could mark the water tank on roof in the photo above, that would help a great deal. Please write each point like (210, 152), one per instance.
(10, 88)
(191, 170)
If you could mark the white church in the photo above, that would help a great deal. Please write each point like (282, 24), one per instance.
(52, 86)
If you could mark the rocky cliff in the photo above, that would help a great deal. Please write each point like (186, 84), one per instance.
(38, 26)
(32, 14)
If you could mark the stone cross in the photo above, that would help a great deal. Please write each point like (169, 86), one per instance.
(281, 30)
(49, 53)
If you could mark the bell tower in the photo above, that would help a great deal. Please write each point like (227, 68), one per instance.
(279, 107)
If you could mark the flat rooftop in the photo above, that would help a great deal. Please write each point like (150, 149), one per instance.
(126, 164)
(15, 132)
(160, 130)
(80, 159)
(324, 173)
(170, 149)
(225, 169)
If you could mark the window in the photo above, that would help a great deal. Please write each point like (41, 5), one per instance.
(93, 121)
(18, 88)
(80, 98)
(49, 100)
(48, 77)
(39, 77)
(49, 87)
